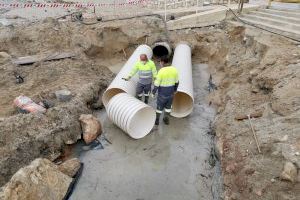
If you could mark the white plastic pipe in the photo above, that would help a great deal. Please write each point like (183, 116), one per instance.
(131, 115)
(118, 85)
(184, 98)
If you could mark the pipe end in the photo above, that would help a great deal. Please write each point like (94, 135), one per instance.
(161, 49)
(182, 105)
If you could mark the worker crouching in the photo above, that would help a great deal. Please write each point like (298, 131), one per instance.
(147, 72)
(166, 84)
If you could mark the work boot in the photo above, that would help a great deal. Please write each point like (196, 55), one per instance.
(157, 119)
(139, 98)
(146, 99)
(166, 118)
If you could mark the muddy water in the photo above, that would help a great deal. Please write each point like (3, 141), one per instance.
(172, 162)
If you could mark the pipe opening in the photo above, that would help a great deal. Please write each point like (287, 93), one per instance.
(110, 93)
(182, 105)
(141, 123)
(161, 49)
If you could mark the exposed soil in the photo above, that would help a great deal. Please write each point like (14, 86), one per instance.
(254, 72)
(24, 137)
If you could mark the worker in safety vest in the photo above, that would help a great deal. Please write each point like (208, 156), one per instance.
(147, 73)
(166, 83)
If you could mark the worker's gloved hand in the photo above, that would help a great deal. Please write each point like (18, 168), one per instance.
(126, 79)
(152, 95)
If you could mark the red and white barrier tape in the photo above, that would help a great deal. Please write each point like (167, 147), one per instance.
(64, 5)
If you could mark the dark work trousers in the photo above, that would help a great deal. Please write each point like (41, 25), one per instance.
(143, 89)
(164, 102)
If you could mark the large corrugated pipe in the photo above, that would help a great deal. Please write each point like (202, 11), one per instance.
(131, 115)
(184, 98)
(118, 85)
(162, 49)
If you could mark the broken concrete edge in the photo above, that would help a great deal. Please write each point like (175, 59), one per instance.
(207, 18)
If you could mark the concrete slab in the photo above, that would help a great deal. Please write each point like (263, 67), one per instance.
(172, 162)
(288, 6)
(207, 18)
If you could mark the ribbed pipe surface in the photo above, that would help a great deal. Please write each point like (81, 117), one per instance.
(131, 115)
(118, 85)
(184, 98)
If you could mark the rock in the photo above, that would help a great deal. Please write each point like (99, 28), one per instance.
(40, 180)
(258, 192)
(273, 180)
(284, 138)
(63, 95)
(289, 172)
(91, 128)
(4, 57)
(70, 167)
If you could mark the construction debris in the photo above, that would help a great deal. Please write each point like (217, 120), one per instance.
(63, 95)
(91, 128)
(26, 105)
(39, 180)
(38, 58)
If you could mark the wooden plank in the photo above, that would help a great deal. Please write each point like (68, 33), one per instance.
(252, 115)
(26, 60)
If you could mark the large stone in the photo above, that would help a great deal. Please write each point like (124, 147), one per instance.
(289, 172)
(91, 128)
(39, 180)
(70, 167)
(63, 95)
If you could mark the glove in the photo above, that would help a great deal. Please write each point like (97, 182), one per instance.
(126, 79)
(152, 95)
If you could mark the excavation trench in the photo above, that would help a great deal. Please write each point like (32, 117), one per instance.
(178, 161)
(173, 162)
(250, 74)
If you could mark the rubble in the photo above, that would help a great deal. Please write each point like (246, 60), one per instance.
(39, 180)
(91, 128)
(63, 95)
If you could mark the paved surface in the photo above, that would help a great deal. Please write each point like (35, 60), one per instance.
(169, 163)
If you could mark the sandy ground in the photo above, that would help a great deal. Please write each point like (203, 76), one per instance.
(172, 162)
